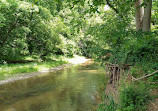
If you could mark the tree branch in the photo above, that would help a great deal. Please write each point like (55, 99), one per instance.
(111, 6)
(145, 76)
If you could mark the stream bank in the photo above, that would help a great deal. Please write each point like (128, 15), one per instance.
(70, 61)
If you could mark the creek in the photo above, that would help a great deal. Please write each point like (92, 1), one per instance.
(73, 88)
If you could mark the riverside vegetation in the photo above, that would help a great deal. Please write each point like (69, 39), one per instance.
(34, 33)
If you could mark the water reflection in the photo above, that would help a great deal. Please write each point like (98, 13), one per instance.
(70, 89)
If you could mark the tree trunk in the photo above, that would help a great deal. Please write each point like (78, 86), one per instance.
(139, 14)
(147, 15)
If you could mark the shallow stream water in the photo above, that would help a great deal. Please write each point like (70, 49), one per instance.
(70, 89)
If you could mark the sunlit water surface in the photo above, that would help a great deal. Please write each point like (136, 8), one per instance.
(70, 89)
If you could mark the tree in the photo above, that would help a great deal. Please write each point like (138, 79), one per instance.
(139, 14)
(143, 14)
(147, 15)
(142, 11)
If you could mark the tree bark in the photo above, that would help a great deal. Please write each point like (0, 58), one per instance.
(139, 14)
(147, 15)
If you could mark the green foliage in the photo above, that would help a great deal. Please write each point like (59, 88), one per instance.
(124, 45)
(48, 4)
(28, 29)
(154, 16)
(42, 27)
(13, 34)
(2, 19)
(133, 98)
(108, 33)
(137, 47)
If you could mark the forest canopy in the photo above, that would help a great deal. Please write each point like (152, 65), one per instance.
(93, 28)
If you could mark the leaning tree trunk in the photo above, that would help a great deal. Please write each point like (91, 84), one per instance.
(147, 15)
(139, 14)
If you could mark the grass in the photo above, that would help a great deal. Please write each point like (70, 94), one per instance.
(9, 69)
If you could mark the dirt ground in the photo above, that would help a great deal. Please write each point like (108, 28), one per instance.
(153, 105)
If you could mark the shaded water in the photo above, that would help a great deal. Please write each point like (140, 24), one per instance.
(70, 89)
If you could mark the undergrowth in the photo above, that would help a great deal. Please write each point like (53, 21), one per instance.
(131, 98)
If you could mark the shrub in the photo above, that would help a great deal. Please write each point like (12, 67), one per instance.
(133, 98)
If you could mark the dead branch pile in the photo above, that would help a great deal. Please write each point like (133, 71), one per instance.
(116, 71)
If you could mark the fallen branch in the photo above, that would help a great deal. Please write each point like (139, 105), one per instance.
(150, 82)
(144, 76)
